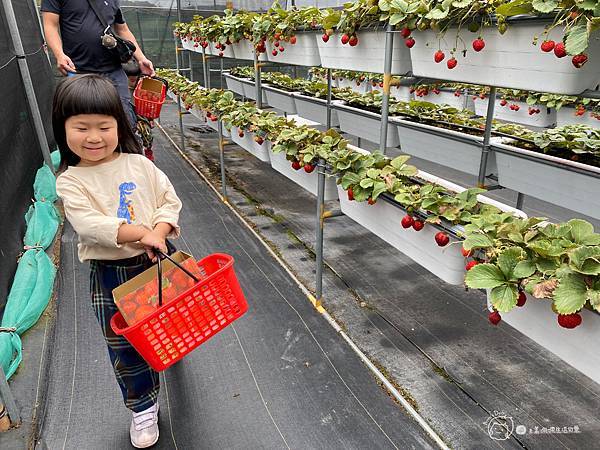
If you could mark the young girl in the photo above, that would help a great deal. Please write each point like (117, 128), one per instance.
(122, 207)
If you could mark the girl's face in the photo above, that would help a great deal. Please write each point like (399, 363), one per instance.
(92, 137)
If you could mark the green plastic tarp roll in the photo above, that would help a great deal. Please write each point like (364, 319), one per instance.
(34, 277)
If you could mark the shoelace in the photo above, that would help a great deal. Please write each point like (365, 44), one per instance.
(146, 420)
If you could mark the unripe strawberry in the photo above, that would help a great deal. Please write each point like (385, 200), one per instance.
(325, 37)
(470, 265)
(521, 299)
(478, 44)
(296, 165)
(410, 42)
(308, 168)
(547, 46)
(494, 317)
(466, 253)
(442, 239)
(407, 221)
(293, 40)
(439, 56)
(559, 50)
(350, 194)
(259, 140)
(345, 39)
(579, 60)
(569, 320)
(405, 32)
(370, 201)
(276, 36)
(451, 63)
(418, 225)
(353, 41)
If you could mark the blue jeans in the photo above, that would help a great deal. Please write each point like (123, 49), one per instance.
(120, 81)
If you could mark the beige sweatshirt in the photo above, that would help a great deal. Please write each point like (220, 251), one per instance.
(98, 199)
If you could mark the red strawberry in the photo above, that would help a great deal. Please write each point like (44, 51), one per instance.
(293, 40)
(276, 44)
(325, 37)
(296, 165)
(407, 221)
(221, 54)
(559, 50)
(276, 36)
(470, 265)
(405, 32)
(308, 168)
(259, 140)
(241, 134)
(281, 49)
(451, 63)
(442, 239)
(418, 225)
(521, 299)
(503, 102)
(579, 60)
(548, 46)
(274, 52)
(569, 320)
(439, 56)
(345, 39)
(371, 201)
(353, 41)
(466, 253)
(410, 42)
(478, 44)
(494, 317)
(350, 194)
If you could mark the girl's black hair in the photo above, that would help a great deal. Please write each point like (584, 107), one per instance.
(89, 94)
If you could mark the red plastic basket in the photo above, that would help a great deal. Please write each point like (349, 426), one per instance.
(145, 107)
(181, 325)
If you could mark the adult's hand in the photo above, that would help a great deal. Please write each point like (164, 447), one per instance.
(146, 67)
(64, 64)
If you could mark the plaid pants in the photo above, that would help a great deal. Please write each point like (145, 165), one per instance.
(139, 383)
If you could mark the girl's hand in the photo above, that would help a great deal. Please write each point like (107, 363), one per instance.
(154, 240)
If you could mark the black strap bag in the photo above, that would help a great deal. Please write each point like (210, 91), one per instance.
(121, 48)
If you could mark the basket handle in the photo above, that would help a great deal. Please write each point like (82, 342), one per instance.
(160, 256)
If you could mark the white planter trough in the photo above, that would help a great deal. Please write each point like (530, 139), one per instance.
(545, 118)
(303, 53)
(280, 99)
(198, 114)
(314, 109)
(244, 49)
(215, 124)
(249, 89)
(507, 60)
(367, 56)
(360, 87)
(569, 184)
(384, 217)
(234, 84)
(537, 321)
(566, 116)
(228, 53)
(308, 181)
(188, 44)
(459, 151)
(248, 143)
(364, 124)
(401, 93)
(448, 98)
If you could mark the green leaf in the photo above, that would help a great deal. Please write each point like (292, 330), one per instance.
(437, 14)
(547, 266)
(366, 183)
(577, 40)
(461, 3)
(524, 269)
(570, 295)
(484, 276)
(397, 18)
(514, 8)
(544, 6)
(508, 260)
(585, 260)
(477, 241)
(583, 232)
(504, 298)
(588, 5)
(378, 188)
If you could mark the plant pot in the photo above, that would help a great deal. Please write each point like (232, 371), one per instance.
(280, 99)
(367, 56)
(189, 45)
(572, 185)
(507, 60)
(401, 93)
(546, 117)
(227, 53)
(250, 90)
(308, 181)
(314, 109)
(459, 151)
(234, 84)
(360, 87)
(244, 49)
(364, 124)
(566, 116)
(537, 321)
(384, 217)
(448, 98)
(262, 152)
(303, 53)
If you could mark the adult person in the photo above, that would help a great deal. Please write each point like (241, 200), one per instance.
(73, 32)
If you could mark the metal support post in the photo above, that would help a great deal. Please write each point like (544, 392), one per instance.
(205, 72)
(190, 65)
(257, 82)
(179, 112)
(328, 99)
(387, 77)
(38, 124)
(8, 401)
(222, 159)
(520, 199)
(486, 138)
(221, 73)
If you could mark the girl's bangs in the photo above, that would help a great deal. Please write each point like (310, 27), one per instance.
(90, 97)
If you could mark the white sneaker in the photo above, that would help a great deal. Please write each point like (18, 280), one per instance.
(144, 428)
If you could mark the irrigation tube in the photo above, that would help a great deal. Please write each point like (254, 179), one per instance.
(389, 386)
